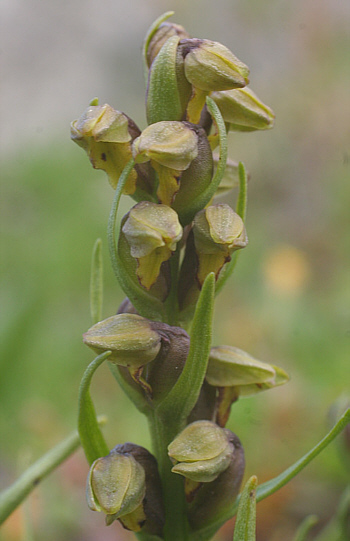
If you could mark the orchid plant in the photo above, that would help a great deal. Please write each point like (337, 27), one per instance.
(172, 253)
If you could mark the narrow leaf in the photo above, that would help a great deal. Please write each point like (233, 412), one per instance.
(200, 202)
(241, 206)
(241, 209)
(146, 304)
(182, 398)
(91, 437)
(245, 527)
(14, 495)
(305, 527)
(96, 283)
(150, 33)
(268, 488)
(163, 100)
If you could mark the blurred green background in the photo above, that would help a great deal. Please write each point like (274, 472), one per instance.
(288, 301)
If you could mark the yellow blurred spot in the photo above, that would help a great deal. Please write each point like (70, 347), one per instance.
(287, 270)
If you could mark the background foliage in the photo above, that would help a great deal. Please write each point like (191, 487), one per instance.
(288, 299)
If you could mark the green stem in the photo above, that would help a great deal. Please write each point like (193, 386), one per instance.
(176, 525)
(14, 495)
(171, 303)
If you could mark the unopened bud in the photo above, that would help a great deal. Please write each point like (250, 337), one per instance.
(218, 232)
(243, 110)
(237, 374)
(126, 486)
(165, 31)
(201, 452)
(116, 486)
(134, 342)
(152, 232)
(152, 504)
(171, 146)
(129, 337)
(232, 367)
(209, 65)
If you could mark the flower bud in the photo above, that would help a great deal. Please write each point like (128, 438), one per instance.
(153, 505)
(129, 337)
(171, 146)
(213, 500)
(135, 342)
(218, 232)
(209, 65)
(243, 110)
(165, 31)
(201, 452)
(125, 485)
(232, 367)
(164, 371)
(116, 485)
(152, 233)
(237, 374)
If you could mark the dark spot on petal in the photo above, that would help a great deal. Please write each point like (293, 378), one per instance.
(103, 157)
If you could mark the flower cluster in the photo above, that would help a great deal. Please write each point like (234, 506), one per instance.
(170, 243)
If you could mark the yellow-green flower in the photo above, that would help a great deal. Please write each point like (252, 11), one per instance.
(152, 232)
(170, 146)
(218, 232)
(104, 134)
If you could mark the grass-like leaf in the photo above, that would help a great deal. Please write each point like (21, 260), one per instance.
(91, 437)
(186, 216)
(150, 33)
(245, 527)
(304, 528)
(268, 488)
(241, 209)
(180, 401)
(147, 305)
(163, 100)
(96, 283)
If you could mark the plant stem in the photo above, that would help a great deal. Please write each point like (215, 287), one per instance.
(176, 525)
(171, 302)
